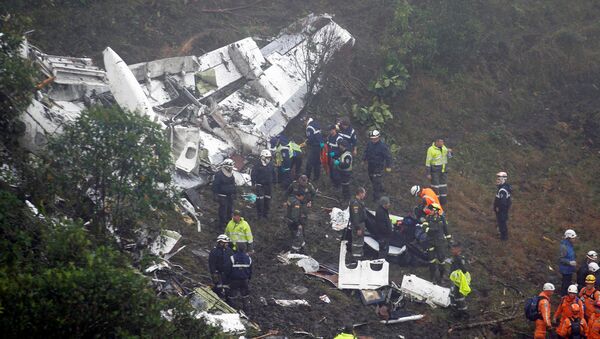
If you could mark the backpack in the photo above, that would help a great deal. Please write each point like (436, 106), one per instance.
(531, 308)
(575, 328)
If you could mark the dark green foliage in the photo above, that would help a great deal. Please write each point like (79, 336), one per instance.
(16, 80)
(112, 165)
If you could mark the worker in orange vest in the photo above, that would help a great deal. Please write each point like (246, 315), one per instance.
(427, 194)
(589, 295)
(574, 326)
(545, 323)
(594, 323)
(564, 310)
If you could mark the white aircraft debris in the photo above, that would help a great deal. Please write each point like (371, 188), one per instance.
(165, 242)
(422, 289)
(230, 100)
(368, 274)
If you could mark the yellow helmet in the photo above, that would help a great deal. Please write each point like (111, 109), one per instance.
(590, 279)
(436, 206)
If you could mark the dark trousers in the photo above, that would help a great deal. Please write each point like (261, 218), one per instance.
(439, 183)
(437, 253)
(225, 209)
(345, 178)
(221, 285)
(334, 174)
(384, 246)
(296, 166)
(285, 178)
(501, 221)
(567, 279)
(239, 293)
(297, 236)
(376, 177)
(263, 200)
(313, 162)
(357, 244)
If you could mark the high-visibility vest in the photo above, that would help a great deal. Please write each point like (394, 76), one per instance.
(295, 149)
(437, 156)
(430, 197)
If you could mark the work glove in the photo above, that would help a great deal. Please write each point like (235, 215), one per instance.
(331, 154)
(322, 144)
(388, 169)
(336, 162)
(573, 263)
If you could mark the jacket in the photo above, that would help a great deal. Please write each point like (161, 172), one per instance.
(241, 266)
(564, 308)
(565, 329)
(544, 309)
(349, 135)
(296, 211)
(263, 175)
(503, 200)
(333, 143)
(429, 197)
(383, 224)
(437, 156)
(239, 232)
(314, 138)
(377, 155)
(583, 272)
(223, 185)
(589, 298)
(594, 326)
(567, 254)
(309, 191)
(218, 260)
(357, 214)
(345, 335)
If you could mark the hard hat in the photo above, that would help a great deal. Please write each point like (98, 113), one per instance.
(374, 134)
(223, 238)
(548, 287)
(570, 234)
(502, 174)
(593, 267)
(227, 163)
(265, 153)
(415, 190)
(590, 278)
(575, 307)
(592, 255)
(436, 206)
(572, 289)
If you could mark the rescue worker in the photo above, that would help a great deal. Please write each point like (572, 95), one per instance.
(589, 295)
(314, 144)
(437, 242)
(219, 265)
(333, 147)
(344, 167)
(458, 263)
(573, 327)
(378, 157)
(296, 162)
(238, 230)
(594, 269)
(383, 226)
(583, 270)
(564, 308)
(223, 188)
(567, 261)
(296, 219)
(302, 184)
(545, 323)
(347, 333)
(241, 273)
(284, 156)
(263, 175)
(594, 323)
(502, 203)
(437, 168)
(358, 219)
(347, 132)
(427, 197)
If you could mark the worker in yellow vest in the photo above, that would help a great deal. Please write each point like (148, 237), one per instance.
(437, 168)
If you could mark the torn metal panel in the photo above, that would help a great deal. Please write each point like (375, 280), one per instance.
(230, 323)
(165, 242)
(326, 274)
(368, 274)
(402, 319)
(427, 291)
(205, 299)
(291, 303)
(392, 250)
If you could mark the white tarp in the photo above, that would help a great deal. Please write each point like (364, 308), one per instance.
(422, 289)
(229, 322)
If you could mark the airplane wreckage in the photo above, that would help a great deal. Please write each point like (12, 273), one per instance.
(225, 102)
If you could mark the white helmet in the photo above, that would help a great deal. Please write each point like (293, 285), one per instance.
(415, 190)
(572, 289)
(265, 153)
(570, 234)
(223, 238)
(227, 163)
(592, 255)
(548, 287)
(374, 134)
(593, 267)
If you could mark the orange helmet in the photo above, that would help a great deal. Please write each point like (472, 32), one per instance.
(575, 308)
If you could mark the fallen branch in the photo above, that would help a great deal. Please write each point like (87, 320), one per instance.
(481, 323)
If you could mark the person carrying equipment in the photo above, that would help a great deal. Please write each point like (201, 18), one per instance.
(241, 273)
(238, 230)
(224, 191)
(296, 219)
(263, 176)
(437, 242)
(344, 167)
(567, 263)
(378, 157)
(542, 307)
(314, 143)
(589, 295)
(502, 203)
(358, 219)
(219, 265)
(437, 168)
(574, 327)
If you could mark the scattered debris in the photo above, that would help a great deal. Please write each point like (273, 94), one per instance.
(326, 273)
(205, 299)
(230, 323)
(325, 299)
(291, 303)
(368, 274)
(402, 319)
(422, 289)
(339, 218)
(309, 265)
(287, 257)
(158, 266)
(370, 297)
(165, 242)
(298, 290)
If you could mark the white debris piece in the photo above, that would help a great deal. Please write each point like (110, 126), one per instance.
(364, 276)
(165, 242)
(156, 267)
(339, 218)
(403, 319)
(309, 265)
(229, 322)
(422, 289)
(291, 303)
(392, 250)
